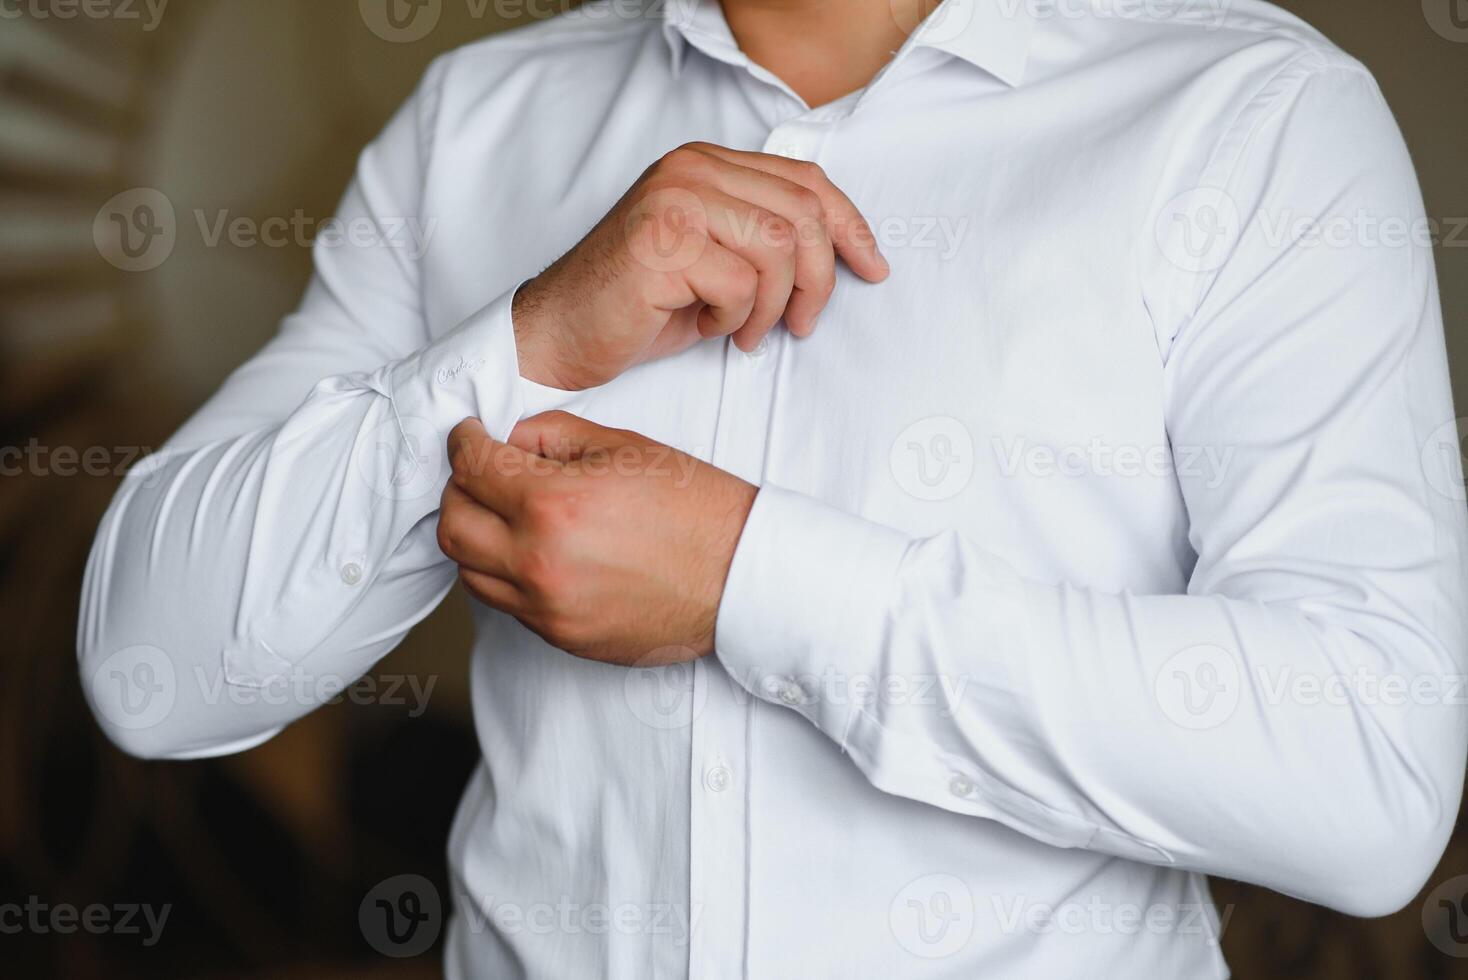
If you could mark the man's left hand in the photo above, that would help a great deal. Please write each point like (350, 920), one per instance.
(607, 544)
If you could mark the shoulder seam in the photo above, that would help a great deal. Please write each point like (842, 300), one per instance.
(1222, 167)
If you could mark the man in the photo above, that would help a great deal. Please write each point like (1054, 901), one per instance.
(988, 493)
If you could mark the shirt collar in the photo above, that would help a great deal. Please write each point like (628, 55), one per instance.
(994, 35)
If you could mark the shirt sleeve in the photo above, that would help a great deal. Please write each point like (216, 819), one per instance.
(283, 541)
(1295, 719)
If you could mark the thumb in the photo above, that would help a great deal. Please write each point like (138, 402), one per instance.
(560, 436)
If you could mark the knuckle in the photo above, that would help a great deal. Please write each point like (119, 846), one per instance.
(551, 513)
(779, 234)
(743, 281)
(558, 633)
(809, 170)
(542, 574)
(460, 432)
(809, 203)
(824, 285)
(450, 533)
(684, 159)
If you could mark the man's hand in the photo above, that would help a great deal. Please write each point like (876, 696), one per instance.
(708, 242)
(608, 545)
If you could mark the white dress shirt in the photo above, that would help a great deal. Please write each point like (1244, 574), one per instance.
(1116, 540)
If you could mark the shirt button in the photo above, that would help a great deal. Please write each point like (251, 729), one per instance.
(790, 693)
(961, 786)
(718, 778)
(351, 573)
(762, 348)
(786, 150)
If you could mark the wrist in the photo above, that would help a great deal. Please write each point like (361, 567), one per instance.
(540, 360)
(735, 512)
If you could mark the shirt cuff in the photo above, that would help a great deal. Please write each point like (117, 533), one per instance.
(469, 372)
(806, 603)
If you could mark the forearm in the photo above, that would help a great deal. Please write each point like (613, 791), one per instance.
(261, 572)
(1061, 712)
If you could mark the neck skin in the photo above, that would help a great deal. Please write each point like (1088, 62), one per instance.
(824, 49)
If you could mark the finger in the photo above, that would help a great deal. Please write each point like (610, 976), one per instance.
(766, 241)
(726, 284)
(849, 231)
(491, 472)
(493, 592)
(472, 535)
(559, 437)
(815, 256)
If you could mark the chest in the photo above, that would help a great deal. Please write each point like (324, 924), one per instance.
(1005, 380)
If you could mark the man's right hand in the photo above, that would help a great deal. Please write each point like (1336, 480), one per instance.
(709, 242)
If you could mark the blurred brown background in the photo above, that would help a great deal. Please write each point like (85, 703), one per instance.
(256, 109)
